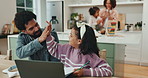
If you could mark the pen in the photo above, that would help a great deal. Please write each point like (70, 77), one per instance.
(83, 65)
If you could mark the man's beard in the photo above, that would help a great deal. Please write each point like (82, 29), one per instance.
(37, 34)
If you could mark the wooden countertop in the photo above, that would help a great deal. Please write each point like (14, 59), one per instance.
(3, 36)
(3, 65)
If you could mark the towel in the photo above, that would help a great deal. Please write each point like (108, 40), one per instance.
(8, 71)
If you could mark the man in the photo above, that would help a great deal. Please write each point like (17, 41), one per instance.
(32, 40)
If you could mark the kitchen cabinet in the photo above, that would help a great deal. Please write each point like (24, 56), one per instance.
(114, 56)
(132, 53)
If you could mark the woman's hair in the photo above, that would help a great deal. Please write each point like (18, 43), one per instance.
(23, 18)
(113, 3)
(89, 42)
(93, 10)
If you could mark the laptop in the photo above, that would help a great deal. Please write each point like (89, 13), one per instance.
(40, 69)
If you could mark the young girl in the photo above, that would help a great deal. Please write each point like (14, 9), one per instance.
(95, 21)
(82, 48)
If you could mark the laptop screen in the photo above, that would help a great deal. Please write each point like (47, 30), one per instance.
(40, 69)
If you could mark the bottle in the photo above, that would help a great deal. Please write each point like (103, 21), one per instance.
(118, 25)
(132, 27)
(54, 21)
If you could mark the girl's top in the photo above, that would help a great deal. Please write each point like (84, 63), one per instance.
(72, 57)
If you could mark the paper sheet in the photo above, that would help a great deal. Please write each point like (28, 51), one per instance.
(68, 70)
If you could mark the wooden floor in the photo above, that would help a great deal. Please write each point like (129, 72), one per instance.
(134, 71)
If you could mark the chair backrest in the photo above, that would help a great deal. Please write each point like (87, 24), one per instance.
(102, 54)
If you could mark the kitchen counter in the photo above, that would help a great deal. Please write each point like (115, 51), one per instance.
(120, 38)
(114, 56)
(3, 36)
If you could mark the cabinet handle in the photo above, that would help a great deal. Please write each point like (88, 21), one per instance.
(144, 23)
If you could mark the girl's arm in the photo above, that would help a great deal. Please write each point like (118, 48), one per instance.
(53, 47)
(98, 68)
(56, 49)
(103, 70)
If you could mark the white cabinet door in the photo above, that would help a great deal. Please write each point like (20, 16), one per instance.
(144, 58)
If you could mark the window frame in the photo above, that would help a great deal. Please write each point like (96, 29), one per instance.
(25, 7)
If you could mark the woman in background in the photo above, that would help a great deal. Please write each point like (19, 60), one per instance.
(109, 12)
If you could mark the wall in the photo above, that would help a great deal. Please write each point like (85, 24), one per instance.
(133, 12)
(41, 13)
(7, 13)
(144, 58)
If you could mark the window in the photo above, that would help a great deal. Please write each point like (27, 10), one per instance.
(25, 5)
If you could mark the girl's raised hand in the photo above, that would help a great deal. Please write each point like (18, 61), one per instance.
(49, 27)
(45, 33)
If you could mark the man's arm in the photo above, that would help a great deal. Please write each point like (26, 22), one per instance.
(27, 48)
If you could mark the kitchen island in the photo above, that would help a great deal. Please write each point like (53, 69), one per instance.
(115, 47)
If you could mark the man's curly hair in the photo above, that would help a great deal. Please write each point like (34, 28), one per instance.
(23, 18)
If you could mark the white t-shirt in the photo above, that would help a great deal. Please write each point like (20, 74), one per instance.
(93, 21)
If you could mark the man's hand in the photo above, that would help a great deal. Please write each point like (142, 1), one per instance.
(45, 33)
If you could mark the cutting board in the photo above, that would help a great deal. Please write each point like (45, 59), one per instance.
(122, 19)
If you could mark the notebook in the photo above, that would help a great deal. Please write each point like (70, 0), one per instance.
(40, 69)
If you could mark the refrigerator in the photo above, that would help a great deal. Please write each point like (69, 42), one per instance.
(55, 14)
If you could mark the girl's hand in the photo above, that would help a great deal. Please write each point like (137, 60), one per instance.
(45, 33)
(49, 27)
(78, 72)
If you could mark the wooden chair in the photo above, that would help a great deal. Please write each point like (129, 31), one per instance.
(102, 54)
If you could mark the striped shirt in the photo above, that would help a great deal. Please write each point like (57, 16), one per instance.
(72, 57)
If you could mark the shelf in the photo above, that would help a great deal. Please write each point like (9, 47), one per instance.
(130, 3)
(118, 3)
